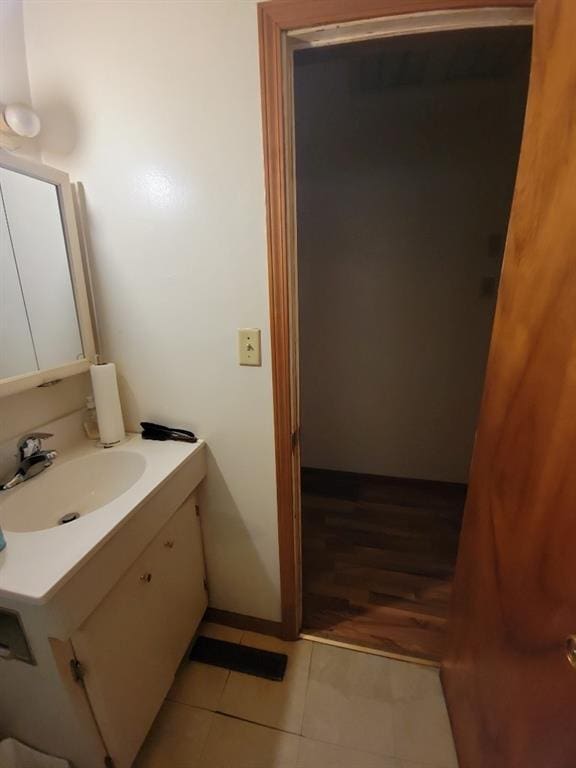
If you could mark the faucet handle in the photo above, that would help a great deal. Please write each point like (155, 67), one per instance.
(32, 443)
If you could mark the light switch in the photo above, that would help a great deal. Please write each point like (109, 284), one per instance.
(249, 346)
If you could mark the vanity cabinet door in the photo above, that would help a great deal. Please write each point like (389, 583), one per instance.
(183, 580)
(130, 647)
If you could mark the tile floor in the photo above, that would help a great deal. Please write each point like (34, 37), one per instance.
(335, 709)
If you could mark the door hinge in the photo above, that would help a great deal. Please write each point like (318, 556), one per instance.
(206, 584)
(197, 508)
(77, 671)
(295, 438)
(108, 762)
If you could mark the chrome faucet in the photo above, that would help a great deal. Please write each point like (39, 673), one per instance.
(33, 459)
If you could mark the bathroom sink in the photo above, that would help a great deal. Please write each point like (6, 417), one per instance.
(66, 492)
(115, 499)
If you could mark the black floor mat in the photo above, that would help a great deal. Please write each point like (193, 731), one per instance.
(240, 658)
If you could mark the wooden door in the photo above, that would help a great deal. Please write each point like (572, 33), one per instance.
(510, 687)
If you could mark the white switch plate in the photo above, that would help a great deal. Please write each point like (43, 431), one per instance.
(249, 346)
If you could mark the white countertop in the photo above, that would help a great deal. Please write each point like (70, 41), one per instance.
(35, 564)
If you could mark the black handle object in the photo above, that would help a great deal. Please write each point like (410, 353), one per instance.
(161, 427)
(151, 434)
(160, 432)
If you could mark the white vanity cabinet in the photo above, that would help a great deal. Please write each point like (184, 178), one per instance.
(97, 614)
(130, 647)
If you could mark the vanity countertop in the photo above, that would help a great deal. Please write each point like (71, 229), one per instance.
(36, 563)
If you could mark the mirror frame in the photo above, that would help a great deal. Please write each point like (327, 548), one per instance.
(61, 181)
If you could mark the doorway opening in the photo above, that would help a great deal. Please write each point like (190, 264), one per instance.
(406, 151)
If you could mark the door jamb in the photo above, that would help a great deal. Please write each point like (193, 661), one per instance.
(276, 19)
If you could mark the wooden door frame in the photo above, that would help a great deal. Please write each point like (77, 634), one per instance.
(277, 18)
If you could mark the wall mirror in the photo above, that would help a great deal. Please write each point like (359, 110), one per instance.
(45, 326)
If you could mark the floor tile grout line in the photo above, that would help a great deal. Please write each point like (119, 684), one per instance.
(206, 739)
(259, 725)
(386, 755)
(312, 646)
(299, 750)
(299, 736)
(362, 751)
(213, 713)
(203, 707)
(297, 732)
(221, 695)
(393, 729)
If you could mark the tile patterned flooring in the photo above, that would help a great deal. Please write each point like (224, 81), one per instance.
(336, 708)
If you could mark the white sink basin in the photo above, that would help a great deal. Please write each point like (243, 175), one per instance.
(131, 486)
(74, 489)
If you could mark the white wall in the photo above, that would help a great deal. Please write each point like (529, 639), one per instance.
(400, 191)
(155, 108)
(14, 85)
(21, 413)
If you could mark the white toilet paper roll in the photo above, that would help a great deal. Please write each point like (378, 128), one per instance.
(107, 400)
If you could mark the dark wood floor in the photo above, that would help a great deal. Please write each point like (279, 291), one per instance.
(378, 560)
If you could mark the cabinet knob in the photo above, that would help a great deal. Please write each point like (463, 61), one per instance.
(146, 578)
(169, 543)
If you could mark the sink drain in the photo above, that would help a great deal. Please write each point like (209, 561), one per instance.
(68, 518)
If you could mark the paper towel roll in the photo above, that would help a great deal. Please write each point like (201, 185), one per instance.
(107, 400)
